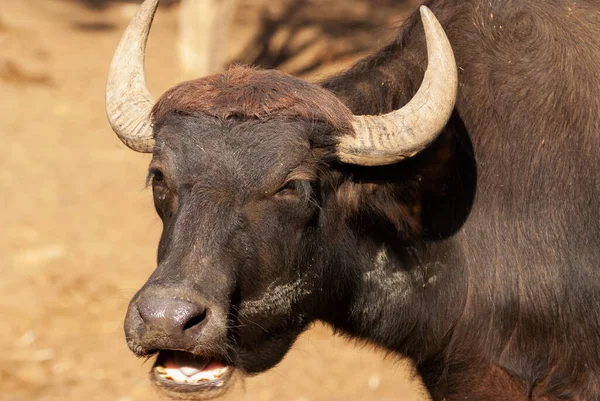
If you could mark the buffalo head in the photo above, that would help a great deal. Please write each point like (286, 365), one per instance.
(248, 178)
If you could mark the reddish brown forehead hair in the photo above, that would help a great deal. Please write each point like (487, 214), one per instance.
(244, 92)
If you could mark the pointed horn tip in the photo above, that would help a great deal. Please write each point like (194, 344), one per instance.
(441, 69)
(147, 7)
(153, 3)
(427, 15)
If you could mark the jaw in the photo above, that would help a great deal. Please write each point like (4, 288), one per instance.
(183, 376)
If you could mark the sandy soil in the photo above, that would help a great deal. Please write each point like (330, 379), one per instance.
(78, 232)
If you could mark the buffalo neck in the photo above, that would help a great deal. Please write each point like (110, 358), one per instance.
(396, 295)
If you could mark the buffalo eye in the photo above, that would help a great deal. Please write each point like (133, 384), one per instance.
(294, 188)
(163, 198)
(157, 175)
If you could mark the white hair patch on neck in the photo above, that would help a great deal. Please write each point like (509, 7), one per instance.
(386, 284)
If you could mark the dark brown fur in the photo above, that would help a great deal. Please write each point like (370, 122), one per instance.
(528, 109)
(243, 92)
(495, 228)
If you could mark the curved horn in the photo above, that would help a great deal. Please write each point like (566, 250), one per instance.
(128, 101)
(389, 138)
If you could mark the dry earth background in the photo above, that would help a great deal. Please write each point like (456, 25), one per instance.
(78, 232)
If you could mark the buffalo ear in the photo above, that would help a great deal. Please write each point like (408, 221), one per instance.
(393, 196)
(381, 206)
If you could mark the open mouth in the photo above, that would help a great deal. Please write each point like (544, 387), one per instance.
(182, 372)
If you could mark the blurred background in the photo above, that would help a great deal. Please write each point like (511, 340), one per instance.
(78, 231)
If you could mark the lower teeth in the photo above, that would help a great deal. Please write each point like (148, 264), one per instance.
(177, 376)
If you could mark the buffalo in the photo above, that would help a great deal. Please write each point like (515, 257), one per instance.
(440, 199)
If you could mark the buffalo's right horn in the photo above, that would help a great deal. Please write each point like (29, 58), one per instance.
(389, 138)
(128, 101)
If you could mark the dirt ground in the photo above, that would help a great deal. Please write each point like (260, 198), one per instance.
(78, 231)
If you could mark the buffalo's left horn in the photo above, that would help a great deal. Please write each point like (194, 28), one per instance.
(128, 101)
(389, 138)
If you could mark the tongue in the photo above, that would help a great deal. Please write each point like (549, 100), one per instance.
(188, 370)
(185, 363)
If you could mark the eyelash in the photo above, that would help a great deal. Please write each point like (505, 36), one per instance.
(289, 186)
(154, 175)
(294, 188)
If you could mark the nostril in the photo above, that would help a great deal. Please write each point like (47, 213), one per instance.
(175, 317)
(140, 315)
(195, 321)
